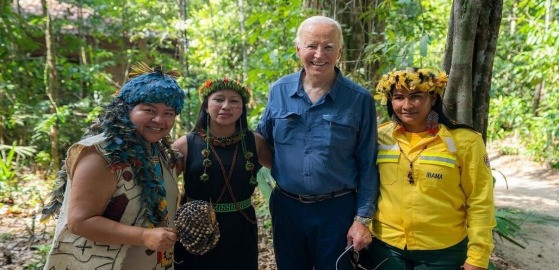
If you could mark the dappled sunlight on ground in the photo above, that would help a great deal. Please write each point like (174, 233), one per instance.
(531, 191)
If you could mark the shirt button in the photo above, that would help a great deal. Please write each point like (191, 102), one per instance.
(307, 174)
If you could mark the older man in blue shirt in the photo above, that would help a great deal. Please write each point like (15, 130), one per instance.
(323, 130)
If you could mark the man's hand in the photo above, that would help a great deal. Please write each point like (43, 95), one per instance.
(359, 236)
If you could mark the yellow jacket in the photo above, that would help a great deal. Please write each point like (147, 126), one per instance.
(451, 197)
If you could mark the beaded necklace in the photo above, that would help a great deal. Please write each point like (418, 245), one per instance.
(221, 141)
(411, 161)
(216, 141)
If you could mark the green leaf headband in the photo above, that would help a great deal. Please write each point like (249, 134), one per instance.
(423, 80)
(211, 86)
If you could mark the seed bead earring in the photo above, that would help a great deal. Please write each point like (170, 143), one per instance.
(432, 122)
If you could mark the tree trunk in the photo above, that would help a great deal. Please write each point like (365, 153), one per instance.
(242, 17)
(82, 56)
(537, 97)
(469, 55)
(513, 18)
(183, 56)
(540, 88)
(124, 41)
(51, 90)
(217, 52)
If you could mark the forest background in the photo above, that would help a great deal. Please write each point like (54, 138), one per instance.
(61, 60)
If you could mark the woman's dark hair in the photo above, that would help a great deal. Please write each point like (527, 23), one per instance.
(202, 121)
(438, 107)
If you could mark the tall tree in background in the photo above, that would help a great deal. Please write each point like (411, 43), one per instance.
(540, 88)
(244, 47)
(183, 57)
(51, 86)
(470, 50)
(83, 43)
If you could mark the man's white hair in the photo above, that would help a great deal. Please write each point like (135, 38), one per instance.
(316, 20)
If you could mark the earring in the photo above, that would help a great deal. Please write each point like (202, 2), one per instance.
(432, 122)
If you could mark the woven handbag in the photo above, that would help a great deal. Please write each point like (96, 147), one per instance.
(197, 226)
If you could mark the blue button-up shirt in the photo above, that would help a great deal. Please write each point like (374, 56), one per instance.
(324, 146)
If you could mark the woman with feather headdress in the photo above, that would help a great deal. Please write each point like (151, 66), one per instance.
(117, 192)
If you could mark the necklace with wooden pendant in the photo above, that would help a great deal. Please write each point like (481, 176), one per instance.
(410, 173)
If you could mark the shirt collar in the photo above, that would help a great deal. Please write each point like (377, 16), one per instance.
(443, 133)
(333, 93)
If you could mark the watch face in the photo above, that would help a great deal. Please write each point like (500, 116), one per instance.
(365, 221)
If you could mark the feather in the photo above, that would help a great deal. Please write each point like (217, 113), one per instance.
(52, 208)
(139, 69)
(143, 68)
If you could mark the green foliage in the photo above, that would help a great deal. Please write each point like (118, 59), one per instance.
(7, 173)
(541, 135)
(265, 183)
(506, 227)
(526, 60)
(42, 250)
(9, 183)
(506, 114)
(418, 37)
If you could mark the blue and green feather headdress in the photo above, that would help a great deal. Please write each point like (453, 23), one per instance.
(153, 86)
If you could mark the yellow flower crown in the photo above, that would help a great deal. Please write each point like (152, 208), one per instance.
(423, 80)
(211, 86)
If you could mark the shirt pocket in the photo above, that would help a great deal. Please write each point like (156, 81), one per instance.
(342, 131)
(437, 170)
(285, 123)
(388, 163)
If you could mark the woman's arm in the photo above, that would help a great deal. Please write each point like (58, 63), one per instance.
(93, 185)
(181, 144)
(477, 183)
(265, 153)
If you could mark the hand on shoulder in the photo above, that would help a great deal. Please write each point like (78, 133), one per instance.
(181, 145)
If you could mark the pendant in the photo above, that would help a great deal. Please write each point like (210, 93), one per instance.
(410, 174)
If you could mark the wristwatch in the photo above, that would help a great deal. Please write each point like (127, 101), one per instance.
(364, 220)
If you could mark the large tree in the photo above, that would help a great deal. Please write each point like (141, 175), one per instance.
(51, 85)
(470, 50)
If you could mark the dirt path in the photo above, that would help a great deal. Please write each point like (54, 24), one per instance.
(533, 195)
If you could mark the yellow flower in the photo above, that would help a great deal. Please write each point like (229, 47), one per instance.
(423, 80)
(381, 96)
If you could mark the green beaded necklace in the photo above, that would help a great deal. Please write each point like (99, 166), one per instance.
(225, 141)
